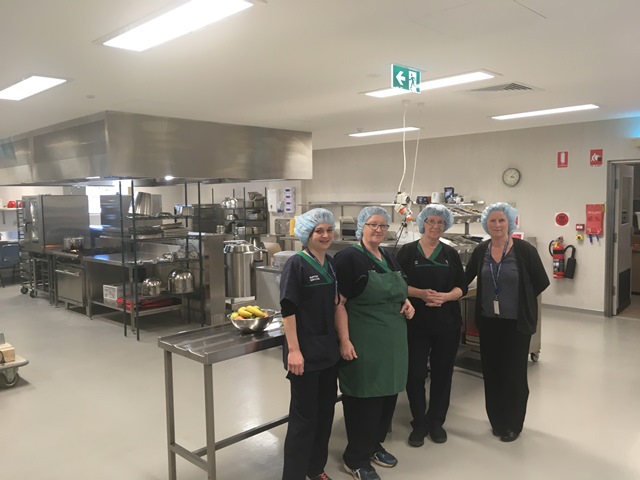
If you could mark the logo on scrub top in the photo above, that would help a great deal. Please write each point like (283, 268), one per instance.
(314, 278)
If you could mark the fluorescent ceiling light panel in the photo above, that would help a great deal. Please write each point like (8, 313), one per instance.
(28, 87)
(437, 83)
(383, 132)
(177, 22)
(551, 111)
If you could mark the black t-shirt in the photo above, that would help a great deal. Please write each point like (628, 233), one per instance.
(353, 266)
(313, 295)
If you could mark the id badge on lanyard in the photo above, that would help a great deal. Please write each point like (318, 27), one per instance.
(496, 277)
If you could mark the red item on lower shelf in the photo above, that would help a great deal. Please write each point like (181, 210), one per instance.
(147, 303)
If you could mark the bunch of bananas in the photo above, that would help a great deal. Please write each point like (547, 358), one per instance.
(250, 311)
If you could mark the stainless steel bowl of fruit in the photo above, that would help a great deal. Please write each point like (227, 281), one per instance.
(252, 318)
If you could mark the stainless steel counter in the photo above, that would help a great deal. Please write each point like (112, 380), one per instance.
(211, 345)
(207, 346)
(116, 258)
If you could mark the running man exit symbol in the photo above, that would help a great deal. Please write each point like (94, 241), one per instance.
(405, 78)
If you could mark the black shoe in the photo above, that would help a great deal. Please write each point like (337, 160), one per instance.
(416, 437)
(437, 434)
(509, 436)
(495, 432)
(384, 458)
(363, 473)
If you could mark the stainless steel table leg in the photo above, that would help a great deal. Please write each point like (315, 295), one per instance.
(171, 422)
(211, 432)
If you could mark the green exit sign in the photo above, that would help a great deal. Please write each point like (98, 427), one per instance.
(405, 78)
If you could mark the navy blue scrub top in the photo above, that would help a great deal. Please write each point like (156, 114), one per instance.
(313, 293)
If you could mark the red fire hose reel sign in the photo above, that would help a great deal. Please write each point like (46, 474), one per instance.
(562, 219)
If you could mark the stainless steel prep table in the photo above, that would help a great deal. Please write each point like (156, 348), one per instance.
(207, 346)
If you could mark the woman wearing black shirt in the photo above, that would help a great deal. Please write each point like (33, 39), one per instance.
(436, 282)
(371, 322)
(510, 278)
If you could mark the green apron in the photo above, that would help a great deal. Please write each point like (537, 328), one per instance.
(378, 333)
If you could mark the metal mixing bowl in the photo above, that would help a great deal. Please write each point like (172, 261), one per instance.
(250, 325)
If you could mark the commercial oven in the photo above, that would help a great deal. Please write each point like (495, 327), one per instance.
(48, 219)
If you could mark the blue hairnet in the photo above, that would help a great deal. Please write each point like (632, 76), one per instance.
(507, 209)
(306, 222)
(435, 210)
(365, 214)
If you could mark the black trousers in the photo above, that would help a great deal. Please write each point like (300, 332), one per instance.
(437, 348)
(504, 355)
(367, 421)
(313, 400)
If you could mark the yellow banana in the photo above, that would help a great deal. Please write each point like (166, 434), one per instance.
(244, 313)
(256, 311)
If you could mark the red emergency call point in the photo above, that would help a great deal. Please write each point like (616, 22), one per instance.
(579, 227)
(562, 219)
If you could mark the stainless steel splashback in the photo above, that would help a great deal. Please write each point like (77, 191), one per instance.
(118, 145)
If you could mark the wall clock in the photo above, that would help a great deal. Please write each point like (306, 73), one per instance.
(511, 177)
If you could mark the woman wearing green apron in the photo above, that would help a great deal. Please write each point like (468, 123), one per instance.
(372, 329)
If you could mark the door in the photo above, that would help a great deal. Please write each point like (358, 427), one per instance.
(623, 230)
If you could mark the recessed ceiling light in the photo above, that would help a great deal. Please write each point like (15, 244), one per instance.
(29, 86)
(436, 83)
(169, 177)
(383, 132)
(551, 111)
(175, 23)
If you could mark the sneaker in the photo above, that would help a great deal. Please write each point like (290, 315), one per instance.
(416, 437)
(437, 434)
(363, 473)
(322, 476)
(384, 458)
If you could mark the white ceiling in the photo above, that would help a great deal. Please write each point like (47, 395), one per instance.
(302, 64)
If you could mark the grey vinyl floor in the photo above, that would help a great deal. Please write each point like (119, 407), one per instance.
(90, 405)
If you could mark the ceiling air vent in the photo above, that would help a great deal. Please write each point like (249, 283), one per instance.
(505, 88)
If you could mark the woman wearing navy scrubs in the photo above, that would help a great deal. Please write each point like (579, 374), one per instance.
(308, 298)
(436, 282)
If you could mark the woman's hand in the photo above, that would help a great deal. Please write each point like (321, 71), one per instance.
(347, 351)
(436, 299)
(407, 310)
(295, 362)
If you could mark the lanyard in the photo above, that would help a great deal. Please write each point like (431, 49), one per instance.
(331, 272)
(496, 276)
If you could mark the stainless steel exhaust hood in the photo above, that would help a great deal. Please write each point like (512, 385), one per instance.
(119, 145)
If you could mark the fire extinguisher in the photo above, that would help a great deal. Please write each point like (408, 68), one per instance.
(557, 249)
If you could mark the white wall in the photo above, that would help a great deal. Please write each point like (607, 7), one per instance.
(16, 193)
(473, 164)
